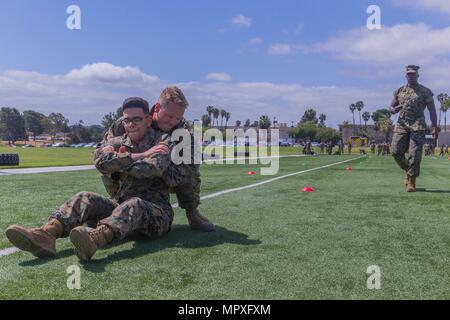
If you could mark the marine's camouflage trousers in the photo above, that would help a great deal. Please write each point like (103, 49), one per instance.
(135, 217)
(183, 179)
(412, 142)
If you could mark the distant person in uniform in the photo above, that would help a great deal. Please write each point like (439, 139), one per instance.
(410, 101)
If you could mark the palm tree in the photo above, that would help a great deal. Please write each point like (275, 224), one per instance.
(442, 97)
(216, 115)
(385, 125)
(322, 119)
(445, 107)
(222, 115)
(352, 108)
(227, 117)
(206, 120)
(366, 117)
(238, 123)
(247, 123)
(210, 110)
(264, 122)
(359, 107)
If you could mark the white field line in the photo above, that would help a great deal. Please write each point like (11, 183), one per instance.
(8, 251)
(91, 167)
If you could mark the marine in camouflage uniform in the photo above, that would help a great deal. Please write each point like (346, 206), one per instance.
(183, 179)
(409, 132)
(140, 207)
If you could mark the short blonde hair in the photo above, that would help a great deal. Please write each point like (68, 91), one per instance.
(173, 94)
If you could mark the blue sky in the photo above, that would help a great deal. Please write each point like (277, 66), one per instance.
(314, 52)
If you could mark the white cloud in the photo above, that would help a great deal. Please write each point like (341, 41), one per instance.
(106, 72)
(402, 43)
(82, 94)
(86, 94)
(281, 49)
(255, 41)
(433, 5)
(219, 76)
(384, 53)
(241, 21)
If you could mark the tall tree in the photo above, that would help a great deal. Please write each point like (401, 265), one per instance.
(247, 123)
(352, 108)
(445, 108)
(210, 110)
(206, 120)
(227, 118)
(328, 135)
(223, 113)
(12, 124)
(264, 122)
(378, 114)
(216, 113)
(359, 106)
(309, 116)
(111, 117)
(33, 123)
(322, 119)
(366, 117)
(385, 125)
(442, 97)
(54, 123)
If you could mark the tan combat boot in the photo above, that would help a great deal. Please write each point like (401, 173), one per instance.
(199, 222)
(87, 241)
(411, 187)
(41, 242)
(406, 181)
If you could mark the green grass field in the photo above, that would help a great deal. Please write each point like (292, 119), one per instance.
(272, 241)
(56, 157)
(50, 157)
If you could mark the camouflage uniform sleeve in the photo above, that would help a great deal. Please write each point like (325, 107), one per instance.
(113, 162)
(156, 164)
(181, 174)
(108, 163)
(395, 99)
(153, 166)
(115, 130)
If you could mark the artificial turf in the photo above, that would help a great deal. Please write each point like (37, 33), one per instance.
(271, 242)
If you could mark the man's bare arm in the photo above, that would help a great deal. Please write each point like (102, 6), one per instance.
(433, 116)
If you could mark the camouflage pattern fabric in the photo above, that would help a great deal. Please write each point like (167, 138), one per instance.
(413, 101)
(409, 132)
(183, 179)
(411, 142)
(135, 217)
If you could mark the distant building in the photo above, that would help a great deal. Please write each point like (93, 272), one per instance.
(372, 132)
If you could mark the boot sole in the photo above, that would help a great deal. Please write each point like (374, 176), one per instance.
(25, 242)
(82, 243)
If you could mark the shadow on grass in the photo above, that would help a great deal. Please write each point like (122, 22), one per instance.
(181, 236)
(431, 190)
